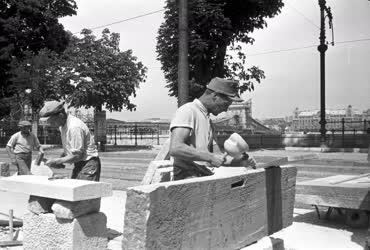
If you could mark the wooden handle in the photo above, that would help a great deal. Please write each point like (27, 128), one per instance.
(11, 224)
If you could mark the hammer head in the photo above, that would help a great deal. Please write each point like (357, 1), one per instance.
(235, 146)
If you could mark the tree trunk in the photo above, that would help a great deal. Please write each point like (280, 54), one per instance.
(100, 128)
(218, 69)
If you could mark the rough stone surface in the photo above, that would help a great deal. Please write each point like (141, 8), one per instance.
(335, 191)
(61, 189)
(162, 175)
(45, 231)
(211, 212)
(73, 209)
(4, 169)
(40, 205)
(152, 168)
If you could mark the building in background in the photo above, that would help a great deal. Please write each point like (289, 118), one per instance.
(238, 118)
(347, 119)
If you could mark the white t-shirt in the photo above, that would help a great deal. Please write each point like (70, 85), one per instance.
(21, 143)
(194, 115)
(77, 139)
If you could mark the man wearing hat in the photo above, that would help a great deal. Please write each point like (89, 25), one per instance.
(20, 146)
(191, 143)
(78, 143)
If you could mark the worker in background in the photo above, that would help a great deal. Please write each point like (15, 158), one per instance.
(192, 137)
(20, 147)
(78, 143)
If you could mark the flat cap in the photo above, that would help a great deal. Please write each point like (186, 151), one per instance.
(51, 108)
(227, 87)
(24, 124)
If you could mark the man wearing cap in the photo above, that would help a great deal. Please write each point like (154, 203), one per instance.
(78, 143)
(191, 143)
(20, 147)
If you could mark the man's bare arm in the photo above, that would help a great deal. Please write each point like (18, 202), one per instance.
(69, 158)
(179, 148)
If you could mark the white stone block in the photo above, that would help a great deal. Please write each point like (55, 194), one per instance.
(73, 209)
(40, 205)
(214, 212)
(45, 231)
(60, 189)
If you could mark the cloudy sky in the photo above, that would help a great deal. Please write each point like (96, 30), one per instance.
(285, 50)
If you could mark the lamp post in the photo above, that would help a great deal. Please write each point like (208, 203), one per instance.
(27, 110)
(322, 49)
(183, 64)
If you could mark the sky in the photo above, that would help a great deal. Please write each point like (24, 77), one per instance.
(292, 70)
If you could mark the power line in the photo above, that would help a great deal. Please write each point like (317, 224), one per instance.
(124, 20)
(282, 50)
(305, 47)
(351, 41)
(303, 15)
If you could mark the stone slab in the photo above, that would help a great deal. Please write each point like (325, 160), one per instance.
(45, 231)
(212, 212)
(353, 194)
(268, 243)
(162, 175)
(40, 205)
(4, 169)
(41, 169)
(61, 189)
(73, 209)
(152, 168)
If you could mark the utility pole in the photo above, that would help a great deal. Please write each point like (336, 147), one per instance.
(322, 49)
(183, 66)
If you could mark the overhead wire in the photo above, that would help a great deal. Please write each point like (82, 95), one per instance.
(303, 15)
(255, 54)
(305, 47)
(123, 20)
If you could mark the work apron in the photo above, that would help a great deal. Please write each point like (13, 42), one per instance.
(87, 170)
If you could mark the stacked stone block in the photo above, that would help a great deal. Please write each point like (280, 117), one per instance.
(62, 214)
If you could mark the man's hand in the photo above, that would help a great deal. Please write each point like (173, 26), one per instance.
(250, 162)
(52, 162)
(217, 159)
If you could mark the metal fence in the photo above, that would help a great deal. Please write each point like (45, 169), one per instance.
(302, 140)
(46, 135)
(344, 126)
(137, 134)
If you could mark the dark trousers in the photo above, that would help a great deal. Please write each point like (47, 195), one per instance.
(87, 170)
(193, 170)
(23, 163)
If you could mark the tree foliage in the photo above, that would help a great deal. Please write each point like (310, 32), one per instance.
(26, 27)
(99, 74)
(38, 73)
(214, 27)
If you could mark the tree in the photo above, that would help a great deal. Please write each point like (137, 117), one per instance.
(26, 27)
(214, 27)
(100, 74)
(39, 73)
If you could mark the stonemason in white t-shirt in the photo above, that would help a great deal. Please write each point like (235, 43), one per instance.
(193, 115)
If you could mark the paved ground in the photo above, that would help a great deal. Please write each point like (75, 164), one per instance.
(126, 168)
(121, 168)
(306, 232)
